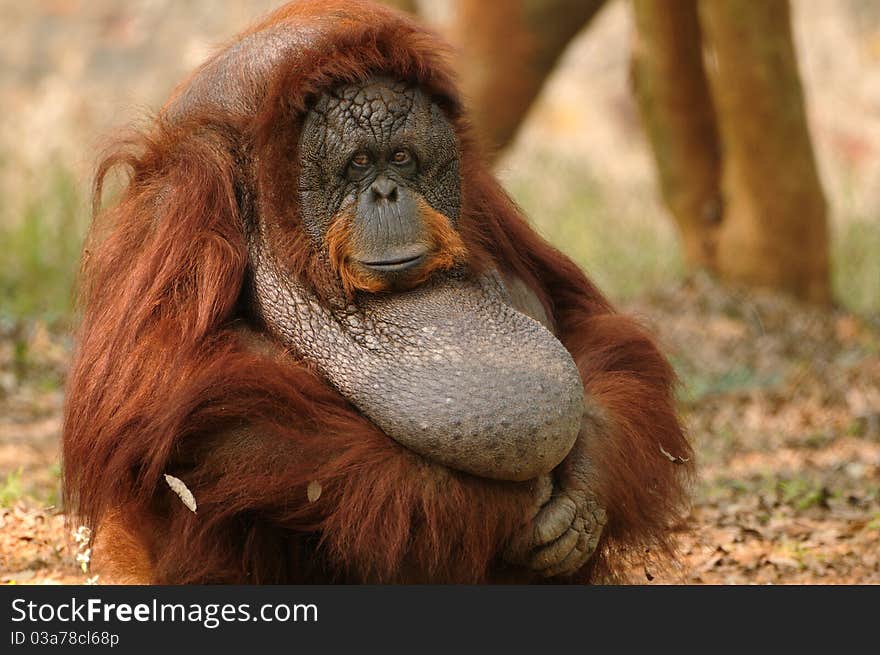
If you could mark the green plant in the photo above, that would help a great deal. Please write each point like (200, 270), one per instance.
(698, 384)
(41, 248)
(624, 248)
(11, 489)
(802, 494)
(855, 266)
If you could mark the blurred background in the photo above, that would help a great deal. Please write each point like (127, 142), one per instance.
(714, 165)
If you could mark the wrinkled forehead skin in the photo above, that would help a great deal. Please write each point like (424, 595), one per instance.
(376, 112)
(377, 116)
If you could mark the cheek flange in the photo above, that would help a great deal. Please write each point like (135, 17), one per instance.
(384, 267)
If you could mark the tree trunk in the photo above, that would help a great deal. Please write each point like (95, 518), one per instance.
(508, 50)
(673, 96)
(774, 230)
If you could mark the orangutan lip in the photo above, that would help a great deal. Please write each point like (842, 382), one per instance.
(396, 264)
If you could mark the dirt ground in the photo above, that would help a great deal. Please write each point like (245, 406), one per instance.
(782, 402)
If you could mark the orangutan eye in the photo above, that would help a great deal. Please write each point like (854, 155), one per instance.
(401, 157)
(360, 160)
(358, 165)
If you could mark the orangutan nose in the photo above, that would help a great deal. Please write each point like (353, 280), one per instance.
(384, 189)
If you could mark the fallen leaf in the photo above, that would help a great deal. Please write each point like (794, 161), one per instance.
(178, 487)
(313, 491)
(674, 458)
(781, 561)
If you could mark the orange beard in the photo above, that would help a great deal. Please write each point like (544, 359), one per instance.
(446, 251)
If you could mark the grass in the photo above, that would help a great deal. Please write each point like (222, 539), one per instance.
(700, 384)
(11, 489)
(798, 493)
(802, 493)
(855, 265)
(40, 252)
(624, 250)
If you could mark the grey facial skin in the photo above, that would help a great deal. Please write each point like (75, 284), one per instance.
(450, 369)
